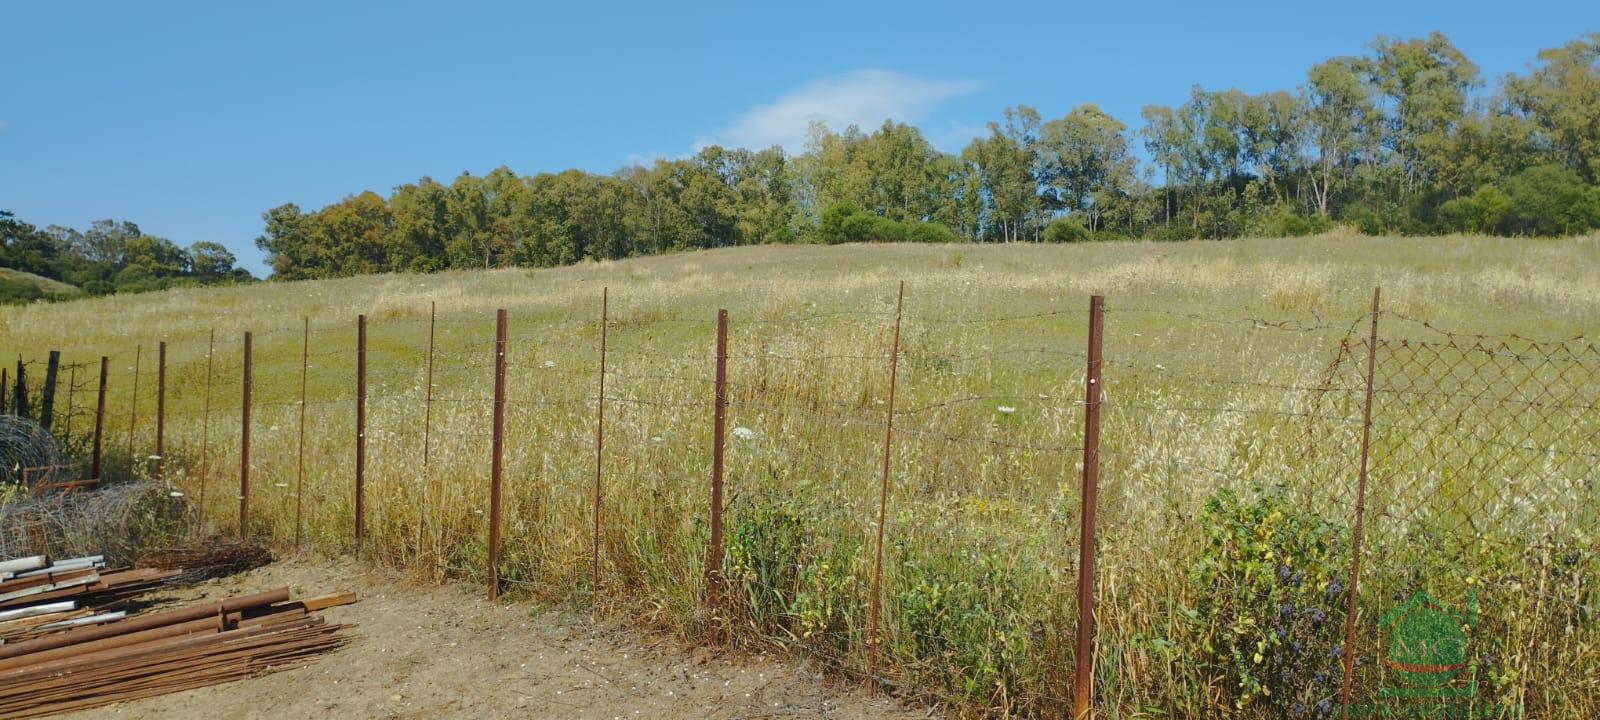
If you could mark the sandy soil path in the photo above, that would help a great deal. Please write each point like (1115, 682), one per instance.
(444, 652)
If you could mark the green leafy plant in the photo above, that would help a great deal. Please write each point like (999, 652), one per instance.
(1271, 585)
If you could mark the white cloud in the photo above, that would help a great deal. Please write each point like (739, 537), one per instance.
(645, 159)
(860, 97)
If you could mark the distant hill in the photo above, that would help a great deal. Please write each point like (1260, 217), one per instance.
(19, 286)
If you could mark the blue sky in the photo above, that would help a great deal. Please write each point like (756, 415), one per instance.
(193, 118)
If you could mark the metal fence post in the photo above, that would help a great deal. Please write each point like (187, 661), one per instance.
(99, 419)
(5, 388)
(719, 423)
(429, 493)
(72, 387)
(300, 467)
(599, 440)
(133, 408)
(47, 399)
(497, 461)
(244, 444)
(205, 423)
(1083, 675)
(875, 606)
(19, 394)
(161, 411)
(427, 402)
(1347, 686)
(361, 428)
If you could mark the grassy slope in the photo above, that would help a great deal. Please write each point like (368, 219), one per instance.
(43, 283)
(974, 525)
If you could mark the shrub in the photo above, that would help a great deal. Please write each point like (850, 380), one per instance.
(1066, 229)
(1283, 221)
(845, 222)
(924, 232)
(1271, 583)
(1365, 219)
(957, 610)
(1551, 200)
(18, 292)
(1482, 212)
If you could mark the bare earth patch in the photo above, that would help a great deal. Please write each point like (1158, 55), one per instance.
(444, 652)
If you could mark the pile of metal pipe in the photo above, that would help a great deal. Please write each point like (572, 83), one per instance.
(62, 648)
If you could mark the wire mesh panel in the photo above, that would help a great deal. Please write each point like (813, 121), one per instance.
(1482, 509)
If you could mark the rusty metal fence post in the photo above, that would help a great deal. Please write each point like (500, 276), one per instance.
(161, 411)
(244, 443)
(427, 402)
(874, 608)
(300, 466)
(205, 423)
(5, 388)
(599, 442)
(99, 420)
(1347, 686)
(497, 461)
(361, 428)
(1083, 675)
(430, 494)
(72, 387)
(133, 408)
(719, 424)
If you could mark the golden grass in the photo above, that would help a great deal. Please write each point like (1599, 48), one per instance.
(984, 508)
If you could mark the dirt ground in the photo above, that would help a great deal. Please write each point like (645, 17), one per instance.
(445, 652)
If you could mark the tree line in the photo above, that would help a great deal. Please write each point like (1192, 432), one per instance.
(1405, 139)
(107, 258)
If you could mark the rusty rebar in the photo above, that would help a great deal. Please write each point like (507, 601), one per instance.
(1083, 676)
(300, 466)
(874, 608)
(719, 425)
(244, 442)
(1347, 686)
(99, 420)
(497, 459)
(361, 429)
(599, 442)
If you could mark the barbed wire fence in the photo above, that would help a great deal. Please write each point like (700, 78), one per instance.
(1469, 465)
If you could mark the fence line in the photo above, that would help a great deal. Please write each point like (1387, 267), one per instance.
(1414, 396)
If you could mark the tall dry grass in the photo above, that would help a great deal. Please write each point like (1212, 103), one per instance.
(982, 533)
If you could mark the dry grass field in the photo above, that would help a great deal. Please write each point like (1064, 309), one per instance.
(1230, 453)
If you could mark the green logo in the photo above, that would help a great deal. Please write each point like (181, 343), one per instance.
(1428, 647)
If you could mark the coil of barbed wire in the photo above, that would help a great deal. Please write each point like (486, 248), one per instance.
(26, 448)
